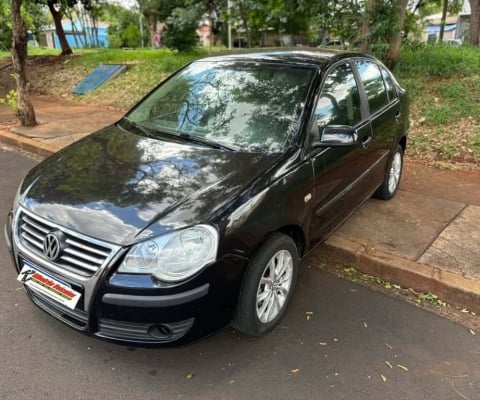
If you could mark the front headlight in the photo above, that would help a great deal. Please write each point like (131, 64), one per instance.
(174, 256)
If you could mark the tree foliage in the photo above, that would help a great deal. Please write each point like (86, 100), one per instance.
(33, 15)
(124, 29)
(157, 10)
(182, 26)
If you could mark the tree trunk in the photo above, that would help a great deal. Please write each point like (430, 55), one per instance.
(365, 29)
(211, 34)
(25, 112)
(442, 22)
(393, 55)
(366, 16)
(475, 22)
(57, 19)
(152, 27)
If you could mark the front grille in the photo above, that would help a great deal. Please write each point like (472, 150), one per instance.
(81, 255)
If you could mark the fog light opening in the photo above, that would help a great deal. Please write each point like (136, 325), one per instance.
(161, 331)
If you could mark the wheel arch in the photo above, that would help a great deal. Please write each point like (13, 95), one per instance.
(403, 142)
(296, 233)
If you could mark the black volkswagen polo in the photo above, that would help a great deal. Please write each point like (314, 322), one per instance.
(194, 210)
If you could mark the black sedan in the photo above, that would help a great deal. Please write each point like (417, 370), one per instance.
(194, 210)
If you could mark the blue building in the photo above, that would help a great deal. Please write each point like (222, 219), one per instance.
(78, 35)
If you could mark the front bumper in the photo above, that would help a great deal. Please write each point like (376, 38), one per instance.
(116, 309)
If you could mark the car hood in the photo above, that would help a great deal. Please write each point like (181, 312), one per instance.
(121, 187)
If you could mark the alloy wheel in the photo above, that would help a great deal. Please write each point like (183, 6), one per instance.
(274, 286)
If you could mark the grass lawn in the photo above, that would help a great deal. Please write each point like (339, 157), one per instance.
(444, 86)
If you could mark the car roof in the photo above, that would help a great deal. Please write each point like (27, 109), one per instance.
(311, 57)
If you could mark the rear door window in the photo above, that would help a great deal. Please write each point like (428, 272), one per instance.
(392, 93)
(374, 85)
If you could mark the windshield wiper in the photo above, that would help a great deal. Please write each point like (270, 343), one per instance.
(144, 130)
(182, 136)
(205, 141)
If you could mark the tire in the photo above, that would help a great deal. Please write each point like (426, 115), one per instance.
(267, 286)
(391, 182)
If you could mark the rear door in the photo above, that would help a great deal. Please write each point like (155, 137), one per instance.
(384, 110)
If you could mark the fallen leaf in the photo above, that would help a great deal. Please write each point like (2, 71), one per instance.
(365, 325)
(322, 344)
(387, 345)
(294, 371)
(402, 367)
(384, 378)
(335, 340)
(472, 331)
(189, 375)
(396, 286)
(389, 364)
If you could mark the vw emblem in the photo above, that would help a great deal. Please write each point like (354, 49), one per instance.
(51, 246)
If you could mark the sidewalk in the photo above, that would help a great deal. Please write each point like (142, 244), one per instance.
(427, 238)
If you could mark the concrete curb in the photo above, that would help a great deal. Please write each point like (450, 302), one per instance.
(453, 288)
(27, 144)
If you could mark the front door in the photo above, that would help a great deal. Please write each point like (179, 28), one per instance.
(340, 178)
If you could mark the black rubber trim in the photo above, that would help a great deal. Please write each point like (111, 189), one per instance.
(156, 301)
(7, 238)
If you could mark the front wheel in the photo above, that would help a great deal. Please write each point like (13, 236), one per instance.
(268, 286)
(391, 182)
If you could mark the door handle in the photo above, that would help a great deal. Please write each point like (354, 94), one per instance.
(366, 141)
(398, 114)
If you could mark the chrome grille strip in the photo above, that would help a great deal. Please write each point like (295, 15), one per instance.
(88, 248)
(32, 232)
(32, 223)
(86, 257)
(80, 264)
(31, 240)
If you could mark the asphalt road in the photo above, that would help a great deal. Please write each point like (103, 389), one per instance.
(336, 342)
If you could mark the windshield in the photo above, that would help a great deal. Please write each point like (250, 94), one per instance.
(253, 107)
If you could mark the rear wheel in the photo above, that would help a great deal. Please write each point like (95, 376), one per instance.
(390, 183)
(268, 286)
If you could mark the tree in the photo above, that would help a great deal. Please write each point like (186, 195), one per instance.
(123, 30)
(25, 112)
(475, 22)
(444, 18)
(182, 25)
(212, 10)
(383, 23)
(5, 25)
(33, 15)
(393, 55)
(56, 9)
(158, 10)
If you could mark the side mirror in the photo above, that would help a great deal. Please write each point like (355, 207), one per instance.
(337, 135)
